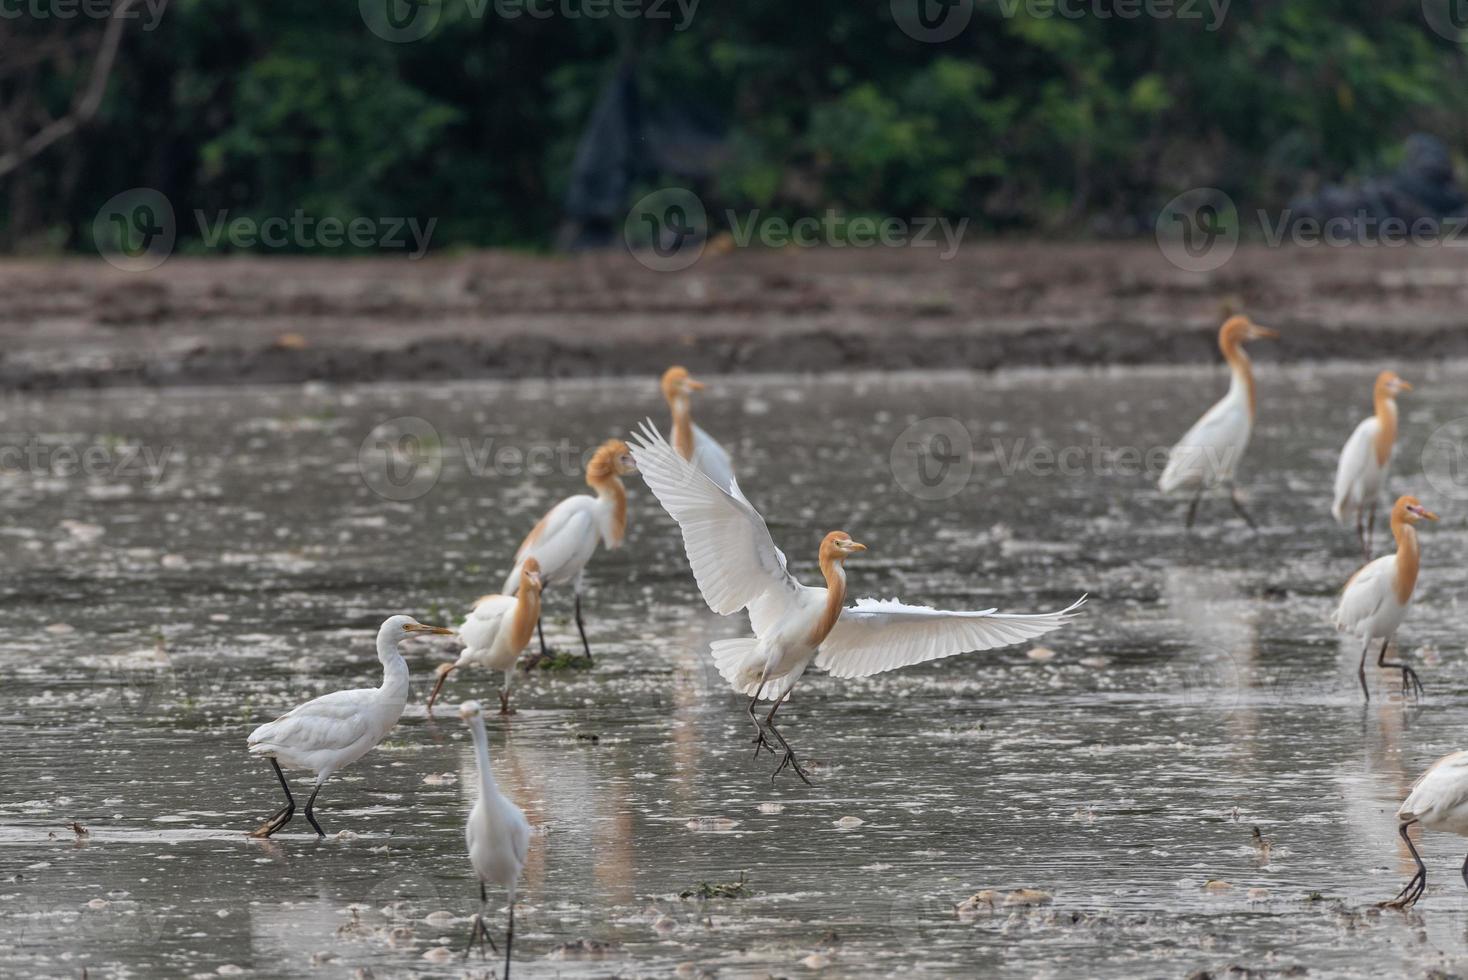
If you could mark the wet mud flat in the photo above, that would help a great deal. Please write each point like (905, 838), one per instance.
(1104, 791)
(993, 305)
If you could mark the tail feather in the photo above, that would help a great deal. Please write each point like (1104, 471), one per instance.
(740, 663)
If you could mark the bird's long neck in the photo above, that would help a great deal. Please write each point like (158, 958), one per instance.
(1386, 429)
(488, 789)
(394, 669)
(1409, 558)
(527, 614)
(612, 495)
(1243, 372)
(835, 573)
(682, 426)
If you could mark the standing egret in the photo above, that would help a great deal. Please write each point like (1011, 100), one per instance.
(1438, 801)
(692, 443)
(1375, 600)
(1208, 454)
(496, 631)
(737, 566)
(566, 537)
(1365, 459)
(498, 836)
(335, 730)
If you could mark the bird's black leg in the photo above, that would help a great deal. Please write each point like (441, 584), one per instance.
(1233, 496)
(509, 938)
(760, 742)
(480, 931)
(1409, 895)
(1193, 508)
(1409, 676)
(280, 817)
(311, 816)
(1361, 535)
(1370, 530)
(789, 759)
(581, 627)
(1361, 671)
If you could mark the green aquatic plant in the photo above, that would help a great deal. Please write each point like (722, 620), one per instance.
(709, 890)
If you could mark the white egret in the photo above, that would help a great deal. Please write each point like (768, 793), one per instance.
(1365, 460)
(1375, 600)
(497, 834)
(737, 566)
(1438, 801)
(335, 730)
(1208, 454)
(567, 536)
(496, 631)
(692, 443)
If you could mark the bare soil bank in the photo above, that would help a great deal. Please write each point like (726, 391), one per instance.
(82, 323)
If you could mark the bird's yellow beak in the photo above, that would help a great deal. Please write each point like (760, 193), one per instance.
(1257, 332)
(536, 580)
(854, 546)
(421, 628)
(1428, 514)
(1403, 385)
(692, 385)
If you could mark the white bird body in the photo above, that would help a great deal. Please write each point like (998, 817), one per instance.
(737, 566)
(1375, 600)
(496, 632)
(566, 538)
(688, 438)
(1439, 798)
(1366, 459)
(1438, 801)
(496, 834)
(1208, 454)
(331, 732)
(1360, 473)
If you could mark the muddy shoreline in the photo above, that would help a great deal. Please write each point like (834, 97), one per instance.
(76, 323)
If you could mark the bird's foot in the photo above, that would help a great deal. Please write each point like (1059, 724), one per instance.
(794, 764)
(1411, 683)
(480, 934)
(760, 742)
(505, 708)
(1408, 896)
(276, 821)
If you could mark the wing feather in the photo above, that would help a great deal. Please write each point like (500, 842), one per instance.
(883, 634)
(729, 547)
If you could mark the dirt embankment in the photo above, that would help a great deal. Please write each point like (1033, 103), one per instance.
(78, 323)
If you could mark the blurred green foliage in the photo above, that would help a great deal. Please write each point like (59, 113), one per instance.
(1053, 124)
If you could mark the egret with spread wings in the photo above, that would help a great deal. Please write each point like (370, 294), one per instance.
(737, 566)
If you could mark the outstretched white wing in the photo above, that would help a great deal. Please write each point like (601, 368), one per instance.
(734, 559)
(884, 634)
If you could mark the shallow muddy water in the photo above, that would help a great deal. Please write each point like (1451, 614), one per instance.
(183, 565)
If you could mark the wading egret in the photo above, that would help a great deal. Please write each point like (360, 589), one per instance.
(1365, 459)
(1375, 600)
(498, 836)
(496, 631)
(1209, 453)
(335, 730)
(1438, 801)
(692, 443)
(737, 566)
(567, 536)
